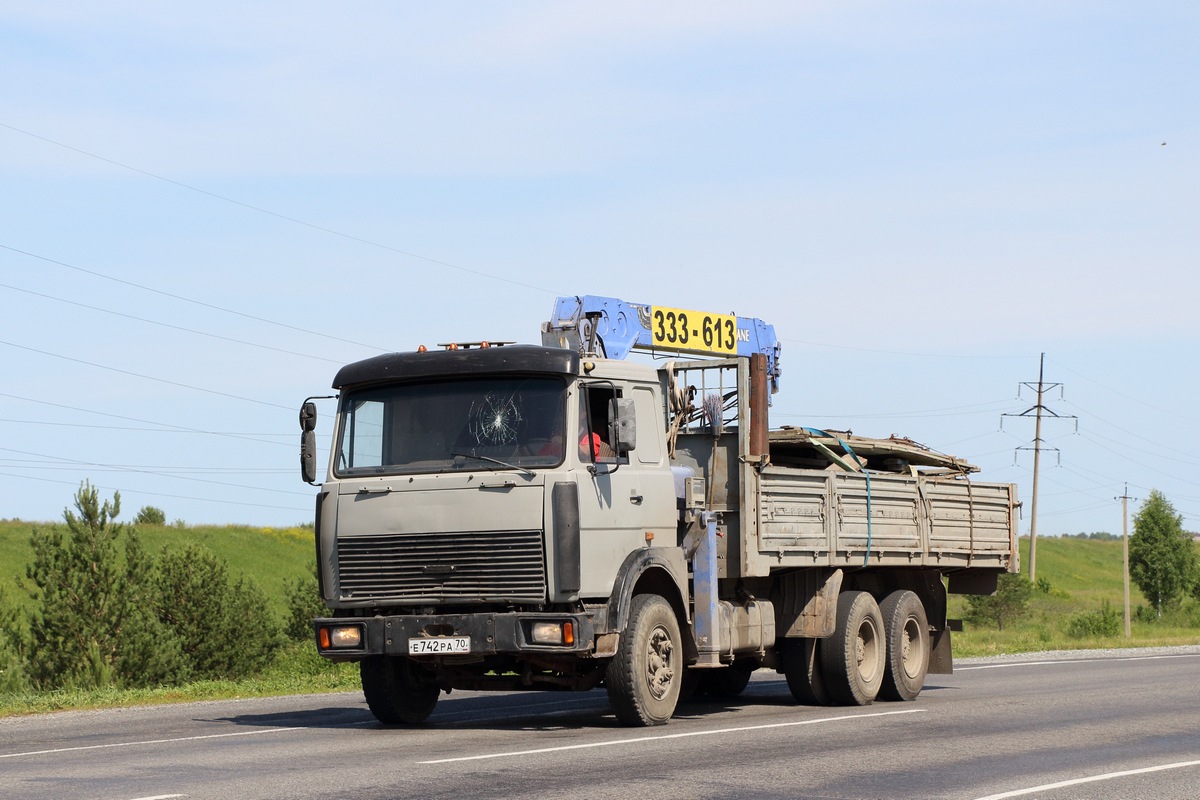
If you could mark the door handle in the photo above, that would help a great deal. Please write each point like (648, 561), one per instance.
(634, 497)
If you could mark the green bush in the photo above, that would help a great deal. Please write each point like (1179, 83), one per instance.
(105, 613)
(224, 627)
(12, 666)
(1009, 603)
(149, 515)
(1107, 622)
(304, 605)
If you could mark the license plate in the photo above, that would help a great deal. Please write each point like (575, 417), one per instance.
(438, 645)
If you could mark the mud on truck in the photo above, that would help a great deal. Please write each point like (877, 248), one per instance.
(561, 517)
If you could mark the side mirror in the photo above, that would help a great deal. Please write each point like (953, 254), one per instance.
(308, 442)
(308, 416)
(624, 424)
(308, 457)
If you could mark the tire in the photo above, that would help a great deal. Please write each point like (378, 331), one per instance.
(907, 630)
(645, 676)
(398, 690)
(801, 660)
(728, 682)
(853, 660)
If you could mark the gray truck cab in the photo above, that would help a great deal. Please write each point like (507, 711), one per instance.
(480, 503)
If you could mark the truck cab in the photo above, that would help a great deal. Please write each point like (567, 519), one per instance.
(479, 505)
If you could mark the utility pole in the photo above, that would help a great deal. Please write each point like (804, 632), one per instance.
(1125, 498)
(1038, 410)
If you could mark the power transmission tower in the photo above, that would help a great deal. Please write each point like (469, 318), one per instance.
(1125, 498)
(1038, 410)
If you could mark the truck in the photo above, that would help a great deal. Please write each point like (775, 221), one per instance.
(562, 516)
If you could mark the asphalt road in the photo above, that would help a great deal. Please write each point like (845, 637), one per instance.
(1092, 726)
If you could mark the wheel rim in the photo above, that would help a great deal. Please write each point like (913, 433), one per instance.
(660, 662)
(866, 651)
(911, 652)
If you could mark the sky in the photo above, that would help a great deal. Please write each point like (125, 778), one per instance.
(206, 210)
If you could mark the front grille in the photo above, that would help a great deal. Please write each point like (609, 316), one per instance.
(478, 566)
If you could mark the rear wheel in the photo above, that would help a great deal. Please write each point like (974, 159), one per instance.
(645, 675)
(802, 667)
(398, 690)
(907, 631)
(854, 658)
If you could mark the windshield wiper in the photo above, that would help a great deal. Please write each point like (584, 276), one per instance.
(526, 472)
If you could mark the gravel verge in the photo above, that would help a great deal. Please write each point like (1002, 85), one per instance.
(1070, 655)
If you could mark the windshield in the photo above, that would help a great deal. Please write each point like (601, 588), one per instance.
(477, 424)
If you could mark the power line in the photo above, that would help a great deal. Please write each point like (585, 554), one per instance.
(169, 427)
(277, 215)
(136, 470)
(1119, 393)
(130, 428)
(894, 352)
(155, 494)
(166, 324)
(144, 377)
(184, 299)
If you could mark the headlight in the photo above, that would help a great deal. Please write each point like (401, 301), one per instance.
(553, 633)
(343, 637)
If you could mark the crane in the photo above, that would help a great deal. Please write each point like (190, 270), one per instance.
(612, 328)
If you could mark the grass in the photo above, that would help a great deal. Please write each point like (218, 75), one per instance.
(297, 669)
(1081, 575)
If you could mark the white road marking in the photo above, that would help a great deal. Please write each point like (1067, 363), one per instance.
(1007, 664)
(666, 736)
(471, 717)
(147, 741)
(1093, 779)
(161, 797)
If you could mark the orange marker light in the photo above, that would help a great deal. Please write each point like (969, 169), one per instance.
(568, 633)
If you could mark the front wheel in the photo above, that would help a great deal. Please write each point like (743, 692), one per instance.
(645, 675)
(854, 658)
(398, 690)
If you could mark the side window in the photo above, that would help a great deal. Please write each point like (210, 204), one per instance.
(595, 424)
(363, 442)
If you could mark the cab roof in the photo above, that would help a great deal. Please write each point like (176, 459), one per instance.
(396, 367)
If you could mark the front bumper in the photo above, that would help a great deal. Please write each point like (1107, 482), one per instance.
(489, 634)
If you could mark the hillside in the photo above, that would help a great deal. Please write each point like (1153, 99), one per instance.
(1080, 575)
(1076, 576)
(266, 556)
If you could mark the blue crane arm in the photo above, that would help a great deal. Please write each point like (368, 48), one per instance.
(620, 327)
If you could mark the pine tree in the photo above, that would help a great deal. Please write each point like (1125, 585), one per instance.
(92, 623)
(1009, 602)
